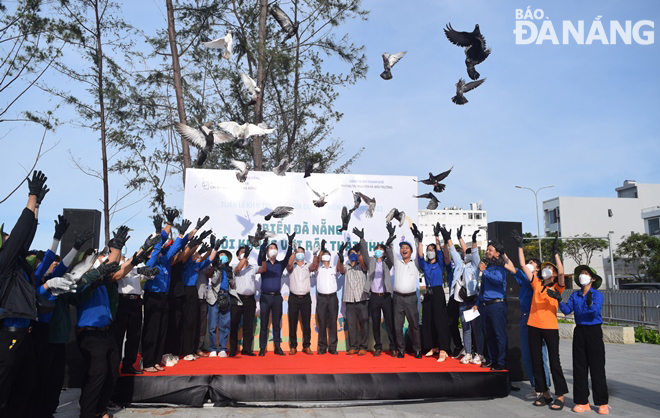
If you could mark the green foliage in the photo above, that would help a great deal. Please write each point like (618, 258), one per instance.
(581, 250)
(640, 254)
(531, 247)
(644, 335)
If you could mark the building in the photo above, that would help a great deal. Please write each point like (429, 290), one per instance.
(634, 209)
(453, 218)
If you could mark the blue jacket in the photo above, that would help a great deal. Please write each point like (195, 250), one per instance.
(526, 291)
(191, 270)
(584, 315)
(161, 283)
(433, 271)
(493, 284)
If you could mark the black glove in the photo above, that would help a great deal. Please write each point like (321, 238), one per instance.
(201, 222)
(106, 270)
(341, 257)
(81, 238)
(590, 299)
(459, 232)
(322, 245)
(554, 294)
(356, 247)
(359, 232)
(262, 251)
(390, 240)
(185, 224)
(446, 234)
(158, 223)
(139, 258)
(120, 237)
(212, 240)
(474, 235)
(415, 232)
(148, 271)
(247, 252)
(436, 229)
(171, 215)
(555, 251)
(36, 184)
(218, 244)
(390, 229)
(515, 235)
(60, 227)
(462, 293)
(203, 248)
(150, 242)
(42, 194)
(343, 246)
(291, 238)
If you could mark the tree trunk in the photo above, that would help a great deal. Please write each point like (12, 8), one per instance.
(104, 155)
(257, 151)
(176, 68)
(296, 90)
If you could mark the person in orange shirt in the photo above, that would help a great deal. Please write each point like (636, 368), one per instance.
(543, 327)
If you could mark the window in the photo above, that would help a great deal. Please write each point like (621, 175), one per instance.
(469, 216)
(552, 215)
(654, 226)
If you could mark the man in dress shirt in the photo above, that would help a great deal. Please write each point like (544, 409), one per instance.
(327, 303)
(244, 276)
(300, 301)
(357, 312)
(128, 321)
(271, 296)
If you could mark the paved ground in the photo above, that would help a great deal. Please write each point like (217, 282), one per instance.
(633, 374)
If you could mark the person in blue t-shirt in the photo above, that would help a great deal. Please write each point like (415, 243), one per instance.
(588, 348)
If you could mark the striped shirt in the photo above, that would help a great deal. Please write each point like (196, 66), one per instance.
(355, 279)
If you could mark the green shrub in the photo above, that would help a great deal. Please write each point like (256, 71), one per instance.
(643, 335)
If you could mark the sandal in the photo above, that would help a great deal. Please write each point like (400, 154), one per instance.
(558, 403)
(151, 370)
(159, 367)
(542, 401)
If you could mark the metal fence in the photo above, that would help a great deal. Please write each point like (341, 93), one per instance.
(629, 307)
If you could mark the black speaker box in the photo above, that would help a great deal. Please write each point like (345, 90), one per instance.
(81, 220)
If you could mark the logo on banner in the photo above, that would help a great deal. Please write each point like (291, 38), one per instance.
(534, 27)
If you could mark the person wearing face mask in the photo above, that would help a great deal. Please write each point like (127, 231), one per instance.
(271, 270)
(355, 298)
(588, 346)
(300, 300)
(543, 327)
(327, 303)
(246, 288)
(435, 322)
(378, 286)
(219, 304)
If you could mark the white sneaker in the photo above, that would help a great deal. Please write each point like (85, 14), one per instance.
(477, 359)
(189, 357)
(532, 395)
(466, 359)
(168, 361)
(222, 354)
(213, 354)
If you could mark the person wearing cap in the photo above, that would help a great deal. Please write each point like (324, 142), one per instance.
(491, 304)
(271, 300)
(378, 285)
(588, 348)
(355, 299)
(543, 327)
(246, 288)
(300, 300)
(327, 302)
(405, 301)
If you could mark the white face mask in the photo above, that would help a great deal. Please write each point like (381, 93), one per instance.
(272, 253)
(530, 267)
(430, 255)
(584, 279)
(546, 273)
(325, 257)
(468, 258)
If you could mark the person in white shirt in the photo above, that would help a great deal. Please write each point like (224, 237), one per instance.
(245, 280)
(300, 300)
(327, 303)
(128, 320)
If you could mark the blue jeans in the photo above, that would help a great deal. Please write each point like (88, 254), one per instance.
(526, 356)
(494, 326)
(467, 327)
(218, 320)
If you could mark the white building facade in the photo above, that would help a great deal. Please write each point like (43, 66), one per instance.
(452, 218)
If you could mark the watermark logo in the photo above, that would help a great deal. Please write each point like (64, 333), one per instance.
(534, 27)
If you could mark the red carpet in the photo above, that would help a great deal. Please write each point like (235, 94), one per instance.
(302, 363)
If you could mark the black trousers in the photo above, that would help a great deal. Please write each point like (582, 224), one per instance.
(101, 359)
(154, 330)
(405, 307)
(128, 322)
(589, 356)
(174, 340)
(203, 322)
(551, 338)
(435, 323)
(51, 379)
(357, 315)
(327, 311)
(17, 373)
(270, 304)
(190, 321)
(453, 315)
(246, 312)
(382, 305)
(300, 306)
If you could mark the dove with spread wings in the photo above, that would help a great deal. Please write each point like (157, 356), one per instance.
(202, 139)
(320, 202)
(226, 43)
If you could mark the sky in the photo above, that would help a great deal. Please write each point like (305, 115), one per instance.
(580, 117)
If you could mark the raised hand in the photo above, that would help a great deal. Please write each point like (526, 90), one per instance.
(171, 215)
(342, 247)
(390, 229)
(436, 229)
(358, 232)
(323, 245)
(120, 237)
(555, 250)
(139, 258)
(59, 285)
(61, 225)
(474, 235)
(446, 234)
(248, 249)
(150, 242)
(212, 240)
(42, 194)
(204, 234)
(390, 240)
(108, 269)
(81, 238)
(158, 223)
(201, 222)
(415, 232)
(203, 248)
(515, 235)
(459, 232)
(218, 244)
(37, 183)
(185, 224)
(291, 238)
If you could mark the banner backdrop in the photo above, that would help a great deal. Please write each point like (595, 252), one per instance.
(236, 208)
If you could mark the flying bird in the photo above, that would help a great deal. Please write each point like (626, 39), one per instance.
(396, 214)
(433, 203)
(244, 131)
(259, 235)
(371, 202)
(435, 180)
(475, 47)
(311, 165)
(251, 87)
(356, 202)
(462, 87)
(282, 167)
(243, 169)
(203, 139)
(320, 202)
(388, 63)
(279, 212)
(345, 219)
(284, 21)
(226, 43)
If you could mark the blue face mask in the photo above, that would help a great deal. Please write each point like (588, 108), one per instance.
(224, 259)
(300, 256)
(378, 253)
(353, 257)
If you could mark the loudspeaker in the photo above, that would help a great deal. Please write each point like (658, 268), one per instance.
(514, 351)
(81, 220)
(501, 232)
